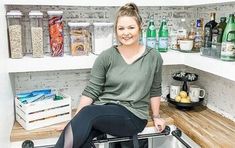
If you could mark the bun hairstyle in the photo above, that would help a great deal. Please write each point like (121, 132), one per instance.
(129, 9)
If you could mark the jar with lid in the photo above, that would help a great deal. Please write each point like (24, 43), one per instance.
(15, 33)
(103, 37)
(56, 33)
(80, 38)
(36, 31)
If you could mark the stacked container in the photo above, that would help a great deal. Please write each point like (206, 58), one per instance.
(15, 33)
(103, 37)
(80, 38)
(56, 33)
(36, 31)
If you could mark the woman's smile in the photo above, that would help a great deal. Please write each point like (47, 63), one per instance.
(128, 31)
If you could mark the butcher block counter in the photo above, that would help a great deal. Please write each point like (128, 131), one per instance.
(204, 126)
(18, 133)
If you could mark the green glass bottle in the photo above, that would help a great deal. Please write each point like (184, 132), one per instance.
(151, 34)
(163, 36)
(208, 31)
(217, 34)
(228, 41)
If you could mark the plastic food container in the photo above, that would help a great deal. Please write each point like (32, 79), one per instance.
(56, 33)
(103, 37)
(36, 31)
(15, 32)
(80, 38)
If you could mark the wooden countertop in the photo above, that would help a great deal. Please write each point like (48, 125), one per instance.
(204, 126)
(18, 133)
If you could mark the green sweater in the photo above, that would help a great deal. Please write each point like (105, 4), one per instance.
(131, 85)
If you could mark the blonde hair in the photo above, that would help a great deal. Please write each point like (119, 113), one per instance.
(129, 9)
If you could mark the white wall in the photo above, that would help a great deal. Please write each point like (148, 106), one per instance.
(6, 101)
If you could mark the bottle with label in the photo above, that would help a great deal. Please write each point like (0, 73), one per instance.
(192, 32)
(182, 32)
(217, 34)
(208, 30)
(151, 34)
(198, 35)
(144, 36)
(163, 36)
(228, 41)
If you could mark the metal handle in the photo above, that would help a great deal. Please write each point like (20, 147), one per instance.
(165, 132)
(177, 134)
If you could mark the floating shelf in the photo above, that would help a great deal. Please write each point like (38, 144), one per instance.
(67, 62)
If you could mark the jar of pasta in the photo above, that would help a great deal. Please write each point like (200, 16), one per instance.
(36, 31)
(15, 33)
(56, 33)
(80, 38)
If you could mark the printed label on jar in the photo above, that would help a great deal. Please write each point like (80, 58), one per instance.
(228, 51)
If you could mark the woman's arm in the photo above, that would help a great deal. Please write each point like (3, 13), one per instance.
(155, 107)
(84, 101)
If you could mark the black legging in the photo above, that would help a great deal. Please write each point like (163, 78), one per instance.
(93, 120)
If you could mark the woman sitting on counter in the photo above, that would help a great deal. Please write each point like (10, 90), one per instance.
(124, 80)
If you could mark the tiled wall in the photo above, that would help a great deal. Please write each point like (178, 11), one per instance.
(73, 82)
(220, 91)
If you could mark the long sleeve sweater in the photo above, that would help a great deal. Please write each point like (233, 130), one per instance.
(131, 85)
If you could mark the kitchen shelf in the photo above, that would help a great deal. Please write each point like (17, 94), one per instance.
(224, 69)
(113, 2)
(68, 62)
(48, 63)
(195, 60)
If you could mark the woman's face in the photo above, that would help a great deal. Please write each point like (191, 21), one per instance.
(128, 31)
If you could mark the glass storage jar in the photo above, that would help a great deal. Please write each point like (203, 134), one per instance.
(15, 33)
(36, 31)
(56, 33)
(80, 38)
(103, 37)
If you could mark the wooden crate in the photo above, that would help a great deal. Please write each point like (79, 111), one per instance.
(43, 113)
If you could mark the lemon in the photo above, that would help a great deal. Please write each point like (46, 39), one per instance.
(189, 98)
(184, 100)
(183, 94)
(177, 98)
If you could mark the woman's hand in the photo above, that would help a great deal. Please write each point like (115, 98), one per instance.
(160, 124)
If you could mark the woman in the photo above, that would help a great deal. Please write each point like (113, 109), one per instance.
(124, 80)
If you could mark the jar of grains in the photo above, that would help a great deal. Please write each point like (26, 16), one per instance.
(36, 27)
(56, 33)
(15, 33)
(80, 38)
(103, 37)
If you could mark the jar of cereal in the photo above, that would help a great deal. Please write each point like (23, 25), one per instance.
(15, 33)
(36, 31)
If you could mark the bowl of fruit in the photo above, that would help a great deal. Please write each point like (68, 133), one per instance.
(183, 101)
